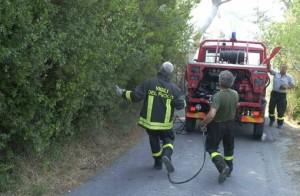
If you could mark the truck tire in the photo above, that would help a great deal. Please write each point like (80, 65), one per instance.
(190, 124)
(258, 130)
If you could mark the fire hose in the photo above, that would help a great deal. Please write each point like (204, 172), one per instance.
(199, 170)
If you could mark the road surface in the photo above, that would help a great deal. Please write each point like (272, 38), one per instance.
(260, 169)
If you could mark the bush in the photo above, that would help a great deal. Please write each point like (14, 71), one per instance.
(285, 34)
(60, 60)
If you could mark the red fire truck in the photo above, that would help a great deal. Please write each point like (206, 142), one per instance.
(248, 62)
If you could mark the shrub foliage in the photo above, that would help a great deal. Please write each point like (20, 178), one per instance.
(60, 60)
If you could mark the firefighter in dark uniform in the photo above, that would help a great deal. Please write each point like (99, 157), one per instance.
(220, 125)
(281, 83)
(160, 97)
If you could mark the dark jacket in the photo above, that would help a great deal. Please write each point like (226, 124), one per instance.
(160, 98)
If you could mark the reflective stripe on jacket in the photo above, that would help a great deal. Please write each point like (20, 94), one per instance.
(160, 97)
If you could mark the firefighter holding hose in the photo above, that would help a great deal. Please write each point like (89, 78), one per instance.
(220, 125)
(282, 82)
(160, 97)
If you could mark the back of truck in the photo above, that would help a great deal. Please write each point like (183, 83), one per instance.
(245, 60)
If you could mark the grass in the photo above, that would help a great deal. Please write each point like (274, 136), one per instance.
(70, 161)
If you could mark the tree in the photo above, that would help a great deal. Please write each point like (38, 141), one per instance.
(210, 17)
(287, 3)
(60, 60)
(286, 34)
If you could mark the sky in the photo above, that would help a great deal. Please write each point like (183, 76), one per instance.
(237, 16)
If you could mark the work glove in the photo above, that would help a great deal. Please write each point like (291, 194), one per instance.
(119, 91)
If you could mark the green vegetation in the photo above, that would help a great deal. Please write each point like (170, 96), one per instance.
(60, 60)
(286, 34)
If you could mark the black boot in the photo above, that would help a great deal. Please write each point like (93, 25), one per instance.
(166, 158)
(157, 163)
(222, 168)
(230, 165)
(271, 123)
(224, 174)
(168, 164)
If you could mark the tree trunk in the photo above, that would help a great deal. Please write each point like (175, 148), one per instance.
(215, 7)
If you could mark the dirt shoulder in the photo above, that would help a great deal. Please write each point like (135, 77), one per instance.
(292, 156)
(68, 165)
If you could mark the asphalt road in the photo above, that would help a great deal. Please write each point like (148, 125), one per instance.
(260, 170)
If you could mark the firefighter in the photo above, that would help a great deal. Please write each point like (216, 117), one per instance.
(220, 125)
(281, 83)
(160, 97)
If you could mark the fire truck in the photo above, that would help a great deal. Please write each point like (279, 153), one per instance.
(249, 63)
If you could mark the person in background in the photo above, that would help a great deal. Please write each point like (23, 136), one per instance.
(282, 82)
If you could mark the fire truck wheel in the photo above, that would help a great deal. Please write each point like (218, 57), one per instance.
(258, 130)
(190, 124)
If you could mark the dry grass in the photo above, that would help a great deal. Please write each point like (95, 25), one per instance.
(71, 163)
